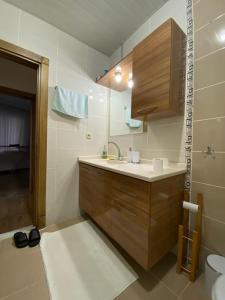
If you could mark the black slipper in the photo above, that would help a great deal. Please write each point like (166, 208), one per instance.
(21, 240)
(34, 237)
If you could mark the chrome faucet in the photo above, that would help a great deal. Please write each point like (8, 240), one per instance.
(119, 157)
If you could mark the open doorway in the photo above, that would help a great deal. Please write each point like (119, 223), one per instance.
(16, 191)
(23, 137)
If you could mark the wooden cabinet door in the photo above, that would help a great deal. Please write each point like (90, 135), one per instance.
(95, 195)
(155, 60)
(130, 220)
(166, 207)
(151, 72)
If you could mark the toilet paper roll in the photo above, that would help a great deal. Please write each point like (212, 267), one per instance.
(165, 162)
(135, 157)
(157, 164)
(190, 206)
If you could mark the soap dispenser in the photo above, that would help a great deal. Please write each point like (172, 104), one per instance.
(129, 155)
(104, 152)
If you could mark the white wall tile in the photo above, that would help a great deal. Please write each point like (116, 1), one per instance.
(51, 196)
(66, 189)
(72, 54)
(9, 22)
(96, 63)
(41, 38)
(51, 146)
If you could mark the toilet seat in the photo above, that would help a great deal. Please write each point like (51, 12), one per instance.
(218, 291)
(216, 262)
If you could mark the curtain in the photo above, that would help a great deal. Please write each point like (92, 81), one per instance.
(14, 126)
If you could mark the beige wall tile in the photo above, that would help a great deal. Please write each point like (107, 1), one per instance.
(207, 10)
(209, 132)
(209, 70)
(168, 136)
(213, 235)
(208, 170)
(173, 156)
(214, 200)
(195, 1)
(210, 38)
(204, 252)
(209, 102)
(209, 73)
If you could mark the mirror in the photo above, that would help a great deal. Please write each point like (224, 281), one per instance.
(120, 122)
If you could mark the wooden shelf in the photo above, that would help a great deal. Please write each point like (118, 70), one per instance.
(108, 80)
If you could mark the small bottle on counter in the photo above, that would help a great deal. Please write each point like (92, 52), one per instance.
(135, 157)
(129, 155)
(104, 152)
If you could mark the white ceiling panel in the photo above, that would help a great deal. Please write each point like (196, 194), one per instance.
(101, 24)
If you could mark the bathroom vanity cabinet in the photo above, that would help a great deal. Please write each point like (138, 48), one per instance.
(158, 73)
(142, 217)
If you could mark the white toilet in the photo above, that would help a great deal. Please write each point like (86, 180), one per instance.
(215, 276)
(218, 290)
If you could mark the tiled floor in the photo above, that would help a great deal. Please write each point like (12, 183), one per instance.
(22, 277)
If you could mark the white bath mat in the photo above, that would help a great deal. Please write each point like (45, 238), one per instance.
(82, 264)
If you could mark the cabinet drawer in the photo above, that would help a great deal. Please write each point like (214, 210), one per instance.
(132, 191)
(88, 170)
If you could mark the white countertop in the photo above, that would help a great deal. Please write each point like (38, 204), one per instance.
(143, 170)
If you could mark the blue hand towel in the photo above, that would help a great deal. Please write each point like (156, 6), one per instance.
(70, 103)
(132, 123)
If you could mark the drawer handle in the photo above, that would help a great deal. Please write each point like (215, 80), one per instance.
(147, 110)
(120, 206)
(121, 190)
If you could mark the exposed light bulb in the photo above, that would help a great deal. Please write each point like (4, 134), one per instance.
(130, 81)
(118, 77)
(118, 74)
(221, 36)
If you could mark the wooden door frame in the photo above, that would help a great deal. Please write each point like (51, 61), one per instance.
(41, 64)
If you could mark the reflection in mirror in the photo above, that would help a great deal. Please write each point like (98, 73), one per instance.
(120, 114)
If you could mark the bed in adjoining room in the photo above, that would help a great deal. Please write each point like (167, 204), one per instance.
(14, 158)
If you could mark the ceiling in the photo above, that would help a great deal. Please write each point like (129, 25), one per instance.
(101, 24)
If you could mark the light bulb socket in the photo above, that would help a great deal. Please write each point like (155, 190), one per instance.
(118, 74)
(130, 83)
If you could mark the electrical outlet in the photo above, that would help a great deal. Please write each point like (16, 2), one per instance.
(88, 136)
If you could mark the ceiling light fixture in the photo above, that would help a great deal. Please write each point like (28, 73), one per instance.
(130, 81)
(221, 36)
(118, 74)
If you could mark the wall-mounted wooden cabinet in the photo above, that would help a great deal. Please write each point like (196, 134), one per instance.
(159, 73)
(158, 67)
(142, 217)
